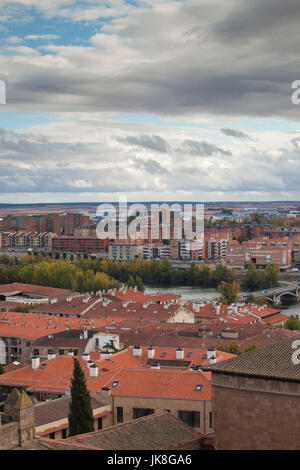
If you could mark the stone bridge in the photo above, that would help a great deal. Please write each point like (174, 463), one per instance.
(274, 294)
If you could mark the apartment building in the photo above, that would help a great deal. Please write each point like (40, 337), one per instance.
(257, 252)
(80, 244)
(215, 244)
(125, 252)
(24, 240)
(156, 251)
(58, 223)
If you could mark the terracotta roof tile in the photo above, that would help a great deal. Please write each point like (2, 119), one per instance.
(157, 431)
(272, 361)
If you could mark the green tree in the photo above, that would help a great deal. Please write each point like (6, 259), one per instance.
(139, 283)
(223, 273)
(131, 282)
(80, 415)
(272, 274)
(250, 347)
(229, 292)
(232, 348)
(293, 323)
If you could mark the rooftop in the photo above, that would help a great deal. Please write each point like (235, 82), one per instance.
(18, 287)
(273, 361)
(153, 432)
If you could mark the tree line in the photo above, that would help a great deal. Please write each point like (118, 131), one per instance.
(87, 275)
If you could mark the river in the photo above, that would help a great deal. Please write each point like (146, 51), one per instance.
(196, 294)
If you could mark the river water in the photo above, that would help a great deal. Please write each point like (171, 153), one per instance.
(196, 294)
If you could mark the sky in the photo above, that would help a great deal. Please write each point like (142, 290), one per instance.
(185, 100)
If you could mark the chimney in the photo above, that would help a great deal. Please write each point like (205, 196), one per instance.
(179, 353)
(86, 356)
(85, 333)
(137, 350)
(155, 365)
(106, 394)
(218, 307)
(71, 353)
(151, 352)
(35, 362)
(94, 370)
(51, 355)
(211, 353)
(196, 307)
(89, 363)
(213, 360)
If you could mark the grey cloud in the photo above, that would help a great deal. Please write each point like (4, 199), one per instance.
(165, 71)
(151, 142)
(257, 19)
(235, 133)
(150, 166)
(202, 148)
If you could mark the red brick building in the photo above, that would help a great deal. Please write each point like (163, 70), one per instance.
(80, 244)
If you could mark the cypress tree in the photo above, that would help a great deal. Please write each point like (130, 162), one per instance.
(131, 282)
(80, 415)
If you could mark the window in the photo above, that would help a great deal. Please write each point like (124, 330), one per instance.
(198, 388)
(140, 412)
(36, 352)
(192, 418)
(115, 383)
(52, 435)
(163, 354)
(99, 423)
(64, 433)
(119, 414)
(189, 354)
(210, 420)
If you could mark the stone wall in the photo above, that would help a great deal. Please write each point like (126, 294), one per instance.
(9, 436)
(254, 413)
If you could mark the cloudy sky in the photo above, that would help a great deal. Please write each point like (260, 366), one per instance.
(153, 100)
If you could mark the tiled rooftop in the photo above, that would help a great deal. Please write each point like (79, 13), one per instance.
(272, 361)
(8, 289)
(54, 410)
(154, 432)
(33, 326)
